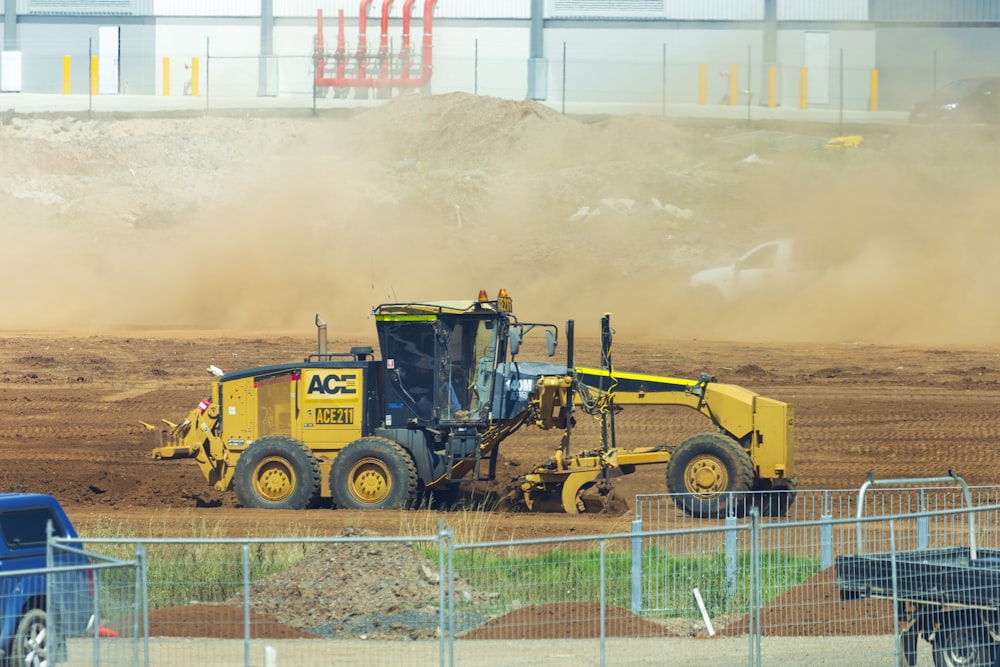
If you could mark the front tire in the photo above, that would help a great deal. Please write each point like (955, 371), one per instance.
(30, 647)
(705, 471)
(277, 473)
(375, 474)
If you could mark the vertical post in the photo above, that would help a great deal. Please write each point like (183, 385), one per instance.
(266, 47)
(143, 588)
(246, 604)
(67, 65)
(208, 78)
(603, 596)
(756, 586)
(734, 85)
(538, 70)
(442, 618)
(663, 104)
(451, 598)
(166, 76)
(923, 523)
(934, 73)
(195, 69)
(895, 589)
(873, 85)
(732, 556)
(772, 87)
(804, 88)
(564, 80)
(841, 117)
(315, 91)
(93, 75)
(749, 76)
(825, 540)
(636, 567)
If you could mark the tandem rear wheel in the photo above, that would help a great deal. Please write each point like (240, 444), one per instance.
(373, 473)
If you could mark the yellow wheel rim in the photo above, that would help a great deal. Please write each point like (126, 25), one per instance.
(369, 481)
(706, 477)
(274, 479)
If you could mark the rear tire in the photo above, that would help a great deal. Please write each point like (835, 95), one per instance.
(277, 473)
(963, 642)
(774, 497)
(30, 647)
(373, 473)
(705, 471)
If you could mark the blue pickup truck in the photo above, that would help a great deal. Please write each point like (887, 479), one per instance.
(24, 586)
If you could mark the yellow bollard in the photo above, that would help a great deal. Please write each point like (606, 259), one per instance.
(93, 76)
(194, 77)
(703, 84)
(772, 87)
(166, 76)
(734, 92)
(804, 88)
(66, 72)
(873, 106)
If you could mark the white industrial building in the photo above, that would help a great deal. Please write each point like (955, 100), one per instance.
(820, 53)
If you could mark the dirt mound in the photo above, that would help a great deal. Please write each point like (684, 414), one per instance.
(375, 589)
(458, 130)
(814, 609)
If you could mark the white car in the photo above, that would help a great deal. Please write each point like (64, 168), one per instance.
(765, 266)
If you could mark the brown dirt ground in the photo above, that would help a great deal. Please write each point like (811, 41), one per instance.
(137, 251)
(69, 424)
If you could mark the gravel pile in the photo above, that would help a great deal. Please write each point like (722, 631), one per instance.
(375, 590)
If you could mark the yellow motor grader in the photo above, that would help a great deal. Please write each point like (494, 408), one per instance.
(379, 433)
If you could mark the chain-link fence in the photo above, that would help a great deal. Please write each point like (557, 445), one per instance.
(647, 76)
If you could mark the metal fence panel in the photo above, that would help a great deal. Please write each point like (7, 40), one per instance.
(737, 590)
(80, 609)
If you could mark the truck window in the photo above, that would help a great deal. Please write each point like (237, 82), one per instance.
(762, 258)
(26, 528)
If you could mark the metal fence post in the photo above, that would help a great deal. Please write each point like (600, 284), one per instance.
(756, 588)
(451, 598)
(732, 556)
(923, 523)
(636, 567)
(603, 598)
(895, 590)
(143, 599)
(246, 604)
(443, 576)
(826, 533)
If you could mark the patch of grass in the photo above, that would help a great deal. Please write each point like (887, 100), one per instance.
(183, 572)
(667, 584)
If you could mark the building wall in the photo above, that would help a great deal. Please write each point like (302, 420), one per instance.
(640, 51)
(917, 60)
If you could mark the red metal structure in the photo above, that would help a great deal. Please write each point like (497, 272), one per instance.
(355, 71)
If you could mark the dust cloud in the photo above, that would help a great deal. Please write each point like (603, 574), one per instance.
(258, 224)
